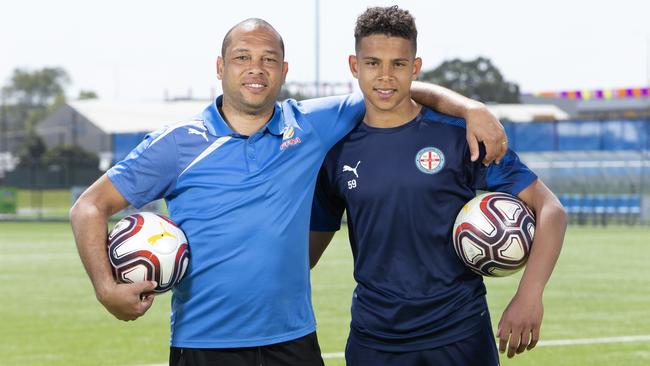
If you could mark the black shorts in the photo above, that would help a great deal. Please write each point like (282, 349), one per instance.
(303, 351)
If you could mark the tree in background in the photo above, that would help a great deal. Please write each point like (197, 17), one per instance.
(477, 79)
(87, 94)
(70, 155)
(32, 149)
(38, 88)
(27, 99)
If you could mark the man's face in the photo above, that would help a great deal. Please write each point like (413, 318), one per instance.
(252, 69)
(385, 67)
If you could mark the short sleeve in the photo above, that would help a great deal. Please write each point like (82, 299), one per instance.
(333, 117)
(149, 172)
(327, 207)
(511, 175)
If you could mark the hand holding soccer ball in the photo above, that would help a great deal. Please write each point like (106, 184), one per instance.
(127, 301)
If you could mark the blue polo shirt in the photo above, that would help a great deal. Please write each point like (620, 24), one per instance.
(244, 203)
(402, 188)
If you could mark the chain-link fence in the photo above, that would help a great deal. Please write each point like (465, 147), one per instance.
(598, 187)
(34, 190)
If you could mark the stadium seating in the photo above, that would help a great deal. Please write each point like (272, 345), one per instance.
(602, 209)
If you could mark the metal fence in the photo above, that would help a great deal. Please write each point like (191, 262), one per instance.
(599, 169)
(597, 187)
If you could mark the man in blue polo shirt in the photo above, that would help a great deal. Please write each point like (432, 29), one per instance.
(415, 303)
(238, 179)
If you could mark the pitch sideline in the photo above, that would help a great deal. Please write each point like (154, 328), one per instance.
(550, 343)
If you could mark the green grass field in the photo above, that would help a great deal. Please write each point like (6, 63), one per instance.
(48, 203)
(50, 316)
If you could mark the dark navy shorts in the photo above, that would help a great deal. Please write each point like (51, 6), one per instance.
(477, 350)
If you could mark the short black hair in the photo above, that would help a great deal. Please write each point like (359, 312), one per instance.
(257, 22)
(390, 20)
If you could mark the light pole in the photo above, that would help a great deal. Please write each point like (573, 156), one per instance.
(647, 60)
(3, 123)
(317, 45)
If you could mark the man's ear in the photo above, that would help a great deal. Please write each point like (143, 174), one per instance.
(285, 70)
(219, 68)
(354, 66)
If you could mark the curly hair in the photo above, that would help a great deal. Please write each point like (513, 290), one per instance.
(391, 21)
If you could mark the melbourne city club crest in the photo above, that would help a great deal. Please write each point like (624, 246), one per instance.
(430, 160)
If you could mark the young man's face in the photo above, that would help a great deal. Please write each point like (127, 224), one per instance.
(252, 69)
(385, 67)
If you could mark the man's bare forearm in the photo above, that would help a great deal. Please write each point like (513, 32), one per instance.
(89, 225)
(89, 220)
(520, 324)
(550, 226)
(443, 100)
(482, 125)
(549, 235)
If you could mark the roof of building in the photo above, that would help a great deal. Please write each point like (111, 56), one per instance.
(125, 117)
(528, 112)
(121, 117)
(613, 104)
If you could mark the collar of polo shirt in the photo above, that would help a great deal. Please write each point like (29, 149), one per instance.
(217, 126)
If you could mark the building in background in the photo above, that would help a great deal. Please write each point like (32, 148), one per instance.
(111, 129)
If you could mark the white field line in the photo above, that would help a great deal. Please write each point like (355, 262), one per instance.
(334, 355)
(551, 343)
(575, 342)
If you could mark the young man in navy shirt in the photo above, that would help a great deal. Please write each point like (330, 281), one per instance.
(238, 178)
(402, 175)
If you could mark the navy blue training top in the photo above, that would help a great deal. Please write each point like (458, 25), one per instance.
(402, 188)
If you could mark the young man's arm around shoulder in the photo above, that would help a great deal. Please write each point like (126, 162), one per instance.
(482, 125)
